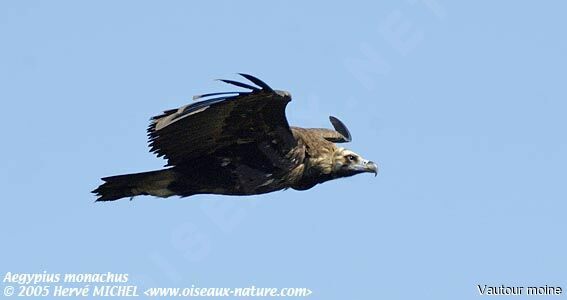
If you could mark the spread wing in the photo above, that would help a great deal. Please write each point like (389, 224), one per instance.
(245, 126)
(339, 135)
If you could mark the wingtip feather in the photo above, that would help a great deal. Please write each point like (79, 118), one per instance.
(239, 84)
(341, 128)
(256, 81)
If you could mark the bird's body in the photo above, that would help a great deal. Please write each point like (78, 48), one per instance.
(237, 145)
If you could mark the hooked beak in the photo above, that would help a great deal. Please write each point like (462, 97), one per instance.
(371, 167)
(367, 166)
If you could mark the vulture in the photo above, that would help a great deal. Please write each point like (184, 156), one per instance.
(237, 143)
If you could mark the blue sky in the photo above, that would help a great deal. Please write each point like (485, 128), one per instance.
(461, 105)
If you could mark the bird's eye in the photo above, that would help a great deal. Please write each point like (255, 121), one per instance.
(351, 157)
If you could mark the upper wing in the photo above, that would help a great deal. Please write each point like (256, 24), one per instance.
(226, 124)
(339, 135)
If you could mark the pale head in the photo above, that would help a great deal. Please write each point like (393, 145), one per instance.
(347, 163)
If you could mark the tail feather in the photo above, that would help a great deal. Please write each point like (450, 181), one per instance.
(129, 185)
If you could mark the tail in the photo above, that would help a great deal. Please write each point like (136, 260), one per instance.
(153, 183)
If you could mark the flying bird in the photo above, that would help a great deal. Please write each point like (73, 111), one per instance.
(238, 143)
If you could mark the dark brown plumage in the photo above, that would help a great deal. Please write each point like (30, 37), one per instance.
(237, 143)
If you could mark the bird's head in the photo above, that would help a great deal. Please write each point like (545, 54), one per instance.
(347, 163)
